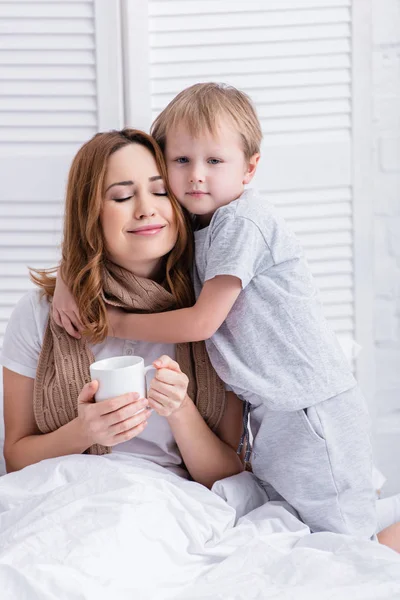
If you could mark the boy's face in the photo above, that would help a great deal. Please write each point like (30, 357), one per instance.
(207, 171)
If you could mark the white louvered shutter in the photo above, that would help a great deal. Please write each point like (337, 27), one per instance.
(293, 57)
(60, 83)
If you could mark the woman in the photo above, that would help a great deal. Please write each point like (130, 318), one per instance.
(125, 244)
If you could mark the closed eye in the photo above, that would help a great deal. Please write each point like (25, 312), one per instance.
(160, 194)
(122, 199)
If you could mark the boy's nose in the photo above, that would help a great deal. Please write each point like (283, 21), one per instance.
(197, 179)
(196, 176)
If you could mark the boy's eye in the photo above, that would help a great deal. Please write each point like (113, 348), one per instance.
(214, 161)
(182, 160)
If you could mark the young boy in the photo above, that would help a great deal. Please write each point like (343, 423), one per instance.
(258, 310)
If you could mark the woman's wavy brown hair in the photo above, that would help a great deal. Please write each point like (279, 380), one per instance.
(83, 247)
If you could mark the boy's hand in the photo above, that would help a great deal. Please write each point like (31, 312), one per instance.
(65, 309)
(167, 393)
(115, 322)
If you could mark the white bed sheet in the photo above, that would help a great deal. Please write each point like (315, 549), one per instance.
(101, 527)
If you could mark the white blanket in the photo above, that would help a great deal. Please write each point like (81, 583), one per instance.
(117, 527)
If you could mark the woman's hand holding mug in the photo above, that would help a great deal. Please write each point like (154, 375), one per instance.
(112, 421)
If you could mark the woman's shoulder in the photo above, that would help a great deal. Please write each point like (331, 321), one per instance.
(24, 334)
(32, 304)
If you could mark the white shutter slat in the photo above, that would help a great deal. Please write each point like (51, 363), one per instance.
(46, 42)
(199, 7)
(263, 64)
(303, 197)
(309, 226)
(343, 326)
(329, 252)
(339, 312)
(47, 119)
(28, 239)
(287, 95)
(319, 240)
(27, 254)
(310, 138)
(34, 224)
(48, 88)
(243, 52)
(313, 211)
(16, 284)
(298, 93)
(338, 296)
(341, 281)
(187, 39)
(315, 123)
(43, 57)
(32, 208)
(294, 109)
(39, 135)
(205, 21)
(46, 26)
(328, 267)
(254, 81)
(18, 104)
(20, 269)
(47, 73)
(49, 148)
(44, 10)
(296, 48)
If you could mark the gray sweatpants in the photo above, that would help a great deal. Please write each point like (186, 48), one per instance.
(319, 460)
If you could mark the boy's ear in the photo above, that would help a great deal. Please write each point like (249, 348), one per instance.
(251, 168)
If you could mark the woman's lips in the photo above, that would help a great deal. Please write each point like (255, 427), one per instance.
(147, 230)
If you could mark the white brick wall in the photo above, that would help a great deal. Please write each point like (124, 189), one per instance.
(386, 194)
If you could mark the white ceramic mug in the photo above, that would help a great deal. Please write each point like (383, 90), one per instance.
(119, 375)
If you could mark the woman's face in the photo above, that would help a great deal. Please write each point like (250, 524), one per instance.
(137, 216)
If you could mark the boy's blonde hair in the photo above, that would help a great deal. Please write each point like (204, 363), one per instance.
(201, 106)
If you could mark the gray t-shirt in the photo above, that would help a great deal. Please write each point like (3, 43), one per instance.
(275, 347)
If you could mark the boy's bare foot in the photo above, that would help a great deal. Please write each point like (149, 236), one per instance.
(391, 537)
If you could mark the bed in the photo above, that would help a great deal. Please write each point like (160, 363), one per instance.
(103, 527)
(97, 527)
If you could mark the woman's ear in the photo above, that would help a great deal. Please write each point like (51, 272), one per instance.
(251, 168)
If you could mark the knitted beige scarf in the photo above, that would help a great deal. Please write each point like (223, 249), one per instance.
(63, 366)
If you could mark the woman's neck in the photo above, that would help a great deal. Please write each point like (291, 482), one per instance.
(154, 270)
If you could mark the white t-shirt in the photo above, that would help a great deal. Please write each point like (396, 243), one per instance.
(21, 349)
